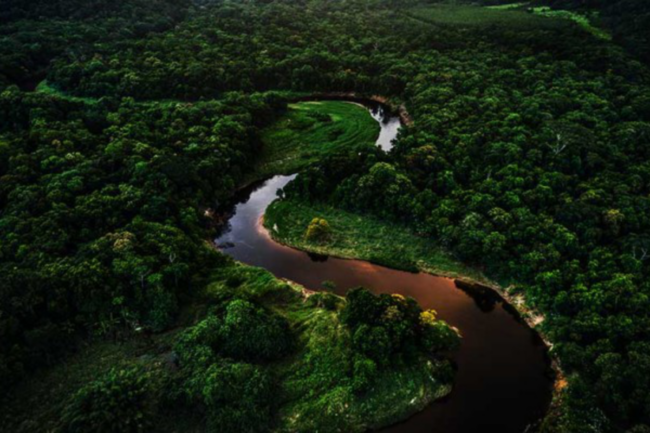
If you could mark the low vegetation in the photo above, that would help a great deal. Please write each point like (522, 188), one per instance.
(257, 355)
(475, 16)
(583, 20)
(311, 130)
(363, 237)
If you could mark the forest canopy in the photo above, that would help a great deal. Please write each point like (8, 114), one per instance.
(123, 124)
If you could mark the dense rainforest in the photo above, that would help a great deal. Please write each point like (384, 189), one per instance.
(124, 124)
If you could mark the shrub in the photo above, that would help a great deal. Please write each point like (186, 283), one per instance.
(365, 371)
(118, 402)
(327, 301)
(163, 309)
(361, 307)
(250, 333)
(385, 325)
(237, 398)
(318, 230)
(373, 342)
(436, 334)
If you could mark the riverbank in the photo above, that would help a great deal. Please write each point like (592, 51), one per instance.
(310, 131)
(396, 247)
(365, 238)
(397, 108)
(315, 384)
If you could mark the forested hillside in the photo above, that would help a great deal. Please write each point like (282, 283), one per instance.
(35, 32)
(121, 123)
(629, 21)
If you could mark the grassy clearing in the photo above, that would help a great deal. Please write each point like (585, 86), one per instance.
(509, 6)
(312, 129)
(583, 21)
(478, 16)
(362, 237)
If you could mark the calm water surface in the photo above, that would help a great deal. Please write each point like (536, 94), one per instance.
(502, 383)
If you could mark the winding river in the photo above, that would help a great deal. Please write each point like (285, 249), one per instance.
(503, 382)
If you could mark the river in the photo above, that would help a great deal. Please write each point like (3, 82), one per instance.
(503, 379)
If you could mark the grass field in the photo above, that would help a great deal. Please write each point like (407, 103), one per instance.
(513, 16)
(478, 16)
(582, 20)
(364, 238)
(509, 6)
(311, 130)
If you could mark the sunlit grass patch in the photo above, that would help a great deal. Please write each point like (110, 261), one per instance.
(508, 6)
(309, 131)
(362, 237)
(477, 16)
(582, 20)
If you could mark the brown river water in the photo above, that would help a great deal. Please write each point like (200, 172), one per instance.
(503, 382)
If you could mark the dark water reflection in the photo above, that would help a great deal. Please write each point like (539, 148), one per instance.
(502, 383)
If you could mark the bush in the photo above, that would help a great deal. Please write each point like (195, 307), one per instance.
(387, 325)
(373, 342)
(327, 301)
(320, 117)
(437, 335)
(237, 398)
(365, 371)
(318, 231)
(361, 307)
(250, 333)
(118, 402)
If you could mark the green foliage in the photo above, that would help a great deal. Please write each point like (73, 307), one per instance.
(527, 156)
(250, 333)
(628, 20)
(311, 130)
(120, 401)
(5, 152)
(318, 230)
(238, 398)
(373, 342)
(580, 19)
(385, 325)
(477, 17)
(101, 226)
(244, 332)
(436, 335)
(383, 191)
(321, 381)
(363, 375)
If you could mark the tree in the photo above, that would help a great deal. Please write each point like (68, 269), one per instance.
(120, 401)
(318, 231)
